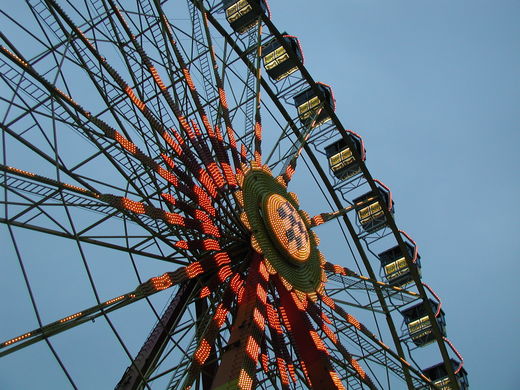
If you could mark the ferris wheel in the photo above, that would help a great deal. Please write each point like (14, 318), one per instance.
(160, 162)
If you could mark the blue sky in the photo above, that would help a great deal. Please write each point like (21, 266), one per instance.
(434, 89)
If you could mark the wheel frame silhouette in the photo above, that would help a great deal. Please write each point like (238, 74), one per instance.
(184, 185)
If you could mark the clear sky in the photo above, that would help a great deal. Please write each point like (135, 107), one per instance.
(434, 89)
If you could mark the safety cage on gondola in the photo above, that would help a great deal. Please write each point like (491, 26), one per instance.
(440, 378)
(395, 267)
(369, 210)
(310, 105)
(242, 15)
(277, 62)
(419, 325)
(340, 156)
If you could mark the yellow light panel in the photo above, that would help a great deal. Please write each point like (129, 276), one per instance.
(370, 212)
(443, 384)
(420, 327)
(396, 269)
(341, 159)
(237, 10)
(308, 108)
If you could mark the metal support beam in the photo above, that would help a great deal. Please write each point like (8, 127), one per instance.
(136, 374)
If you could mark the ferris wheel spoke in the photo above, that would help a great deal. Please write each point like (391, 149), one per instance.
(71, 109)
(353, 322)
(136, 211)
(222, 95)
(212, 263)
(205, 350)
(131, 148)
(321, 320)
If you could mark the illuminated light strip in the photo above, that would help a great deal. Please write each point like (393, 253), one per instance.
(216, 140)
(237, 283)
(71, 317)
(193, 89)
(205, 154)
(276, 335)
(46, 180)
(161, 282)
(191, 163)
(242, 361)
(285, 320)
(16, 339)
(204, 292)
(252, 348)
(195, 193)
(194, 269)
(117, 299)
(224, 273)
(202, 352)
(207, 244)
(187, 208)
(245, 382)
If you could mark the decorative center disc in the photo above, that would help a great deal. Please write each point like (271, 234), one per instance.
(279, 230)
(286, 227)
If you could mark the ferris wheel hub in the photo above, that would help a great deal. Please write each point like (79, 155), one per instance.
(280, 230)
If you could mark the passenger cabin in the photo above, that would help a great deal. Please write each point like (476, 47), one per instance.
(418, 322)
(241, 15)
(310, 105)
(277, 62)
(341, 160)
(370, 212)
(439, 376)
(395, 267)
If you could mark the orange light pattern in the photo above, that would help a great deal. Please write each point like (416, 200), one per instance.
(224, 273)
(71, 317)
(318, 341)
(204, 292)
(202, 352)
(194, 269)
(288, 228)
(113, 300)
(161, 282)
(207, 244)
(264, 359)
(236, 284)
(16, 339)
(252, 348)
(245, 382)
(259, 319)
